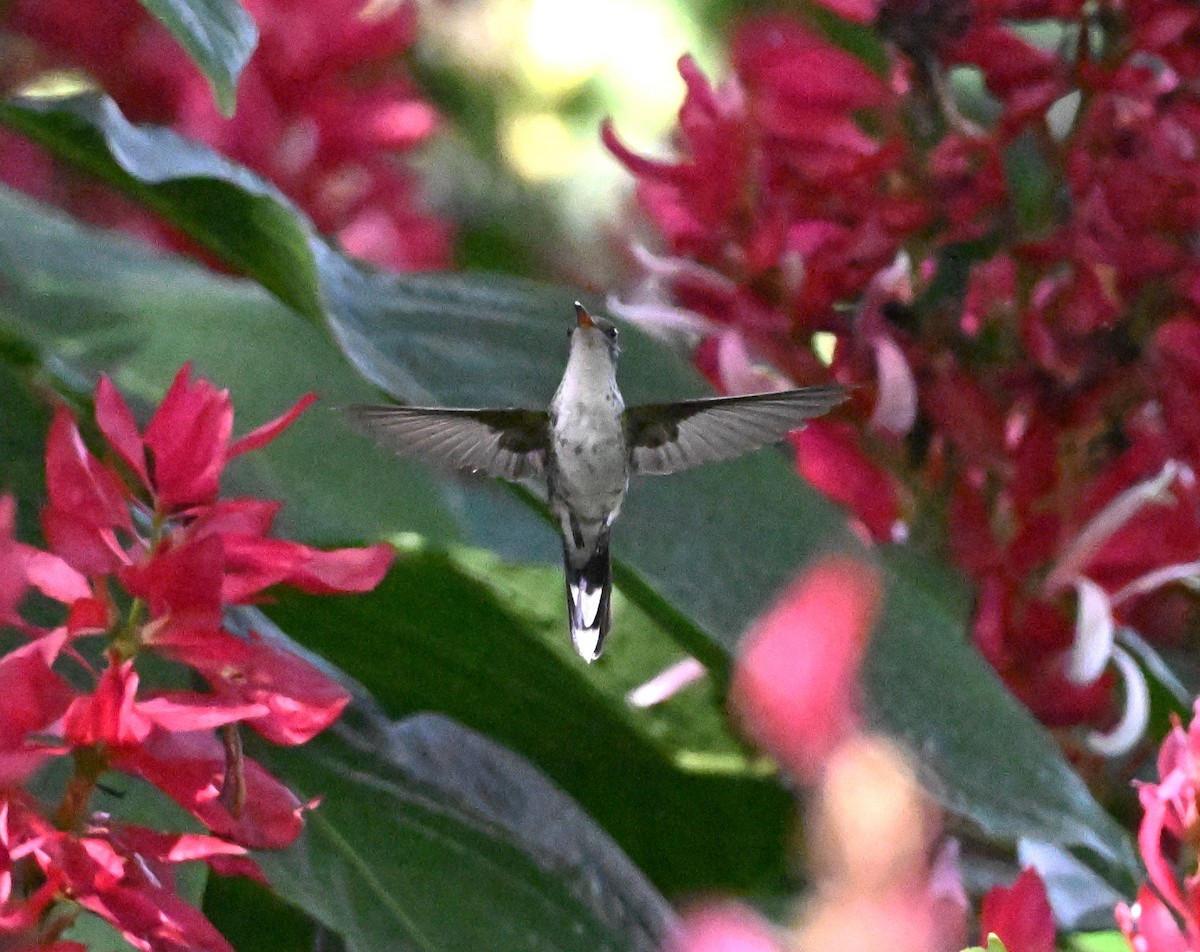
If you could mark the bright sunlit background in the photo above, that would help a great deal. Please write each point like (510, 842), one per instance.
(540, 77)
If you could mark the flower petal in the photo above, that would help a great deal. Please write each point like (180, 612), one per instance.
(727, 927)
(32, 697)
(1019, 914)
(188, 436)
(264, 434)
(116, 422)
(295, 700)
(190, 768)
(110, 715)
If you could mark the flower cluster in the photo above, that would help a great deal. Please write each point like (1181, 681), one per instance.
(143, 556)
(324, 111)
(881, 872)
(1166, 915)
(991, 232)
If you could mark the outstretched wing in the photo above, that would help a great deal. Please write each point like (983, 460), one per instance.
(668, 437)
(507, 443)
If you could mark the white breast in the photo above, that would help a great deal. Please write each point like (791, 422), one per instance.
(589, 443)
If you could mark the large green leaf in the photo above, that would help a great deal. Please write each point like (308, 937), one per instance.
(218, 35)
(431, 836)
(704, 552)
(225, 207)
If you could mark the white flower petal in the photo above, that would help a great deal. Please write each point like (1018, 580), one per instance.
(661, 320)
(1186, 572)
(1100, 527)
(1094, 634)
(1129, 730)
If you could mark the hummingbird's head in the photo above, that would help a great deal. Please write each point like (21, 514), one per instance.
(593, 332)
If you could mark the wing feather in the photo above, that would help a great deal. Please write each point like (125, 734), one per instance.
(669, 437)
(508, 443)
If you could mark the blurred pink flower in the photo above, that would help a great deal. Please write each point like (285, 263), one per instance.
(795, 684)
(724, 927)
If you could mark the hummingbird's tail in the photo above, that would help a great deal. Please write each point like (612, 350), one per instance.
(589, 597)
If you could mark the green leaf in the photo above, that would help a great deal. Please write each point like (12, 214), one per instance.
(252, 917)
(225, 207)
(431, 837)
(703, 552)
(218, 35)
(1108, 941)
(92, 932)
(918, 666)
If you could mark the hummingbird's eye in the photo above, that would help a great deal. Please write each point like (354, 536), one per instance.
(608, 330)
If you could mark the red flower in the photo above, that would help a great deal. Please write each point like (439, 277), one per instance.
(323, 111)
(1019, 914)
(296, 700)
(181, 556)
(829, 457)
(113, 716)
(32, 698)
(13, 580)
(125, 876)
(20, 914)
(188, 438)
(193, 769)
(1032, 364)
(88, 504)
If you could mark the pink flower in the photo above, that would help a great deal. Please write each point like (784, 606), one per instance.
(795, 682)
(724, 927)
(1166, 915)
(1150, 926)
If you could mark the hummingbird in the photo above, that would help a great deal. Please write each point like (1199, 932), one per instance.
(587, 445)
